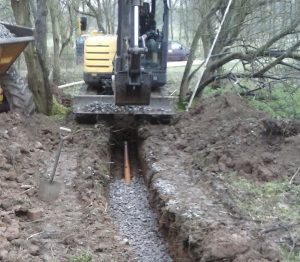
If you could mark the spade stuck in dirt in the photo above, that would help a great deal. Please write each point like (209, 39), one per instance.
(48, 188)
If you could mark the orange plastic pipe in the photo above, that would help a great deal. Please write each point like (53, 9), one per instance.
(127, 175)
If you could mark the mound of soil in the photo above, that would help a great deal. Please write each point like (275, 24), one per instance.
(76, 226)
(189, 165)
(224, 180)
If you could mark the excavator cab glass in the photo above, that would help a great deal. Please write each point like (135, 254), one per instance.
(151, 27)
(83, 23)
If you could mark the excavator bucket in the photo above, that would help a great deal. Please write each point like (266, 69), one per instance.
(127, 94)
(12, 46)
(105, 105)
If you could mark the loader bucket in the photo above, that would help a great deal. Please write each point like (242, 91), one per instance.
(12, 47)
(105, 105)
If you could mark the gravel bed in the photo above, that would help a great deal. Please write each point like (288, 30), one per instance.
(130, 209)
(97, 107)
(5, 33)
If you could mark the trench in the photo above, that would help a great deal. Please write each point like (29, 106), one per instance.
(128, 203)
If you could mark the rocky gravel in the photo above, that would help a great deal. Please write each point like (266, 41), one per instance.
(129, 207)
(103, 108)
(5, 33)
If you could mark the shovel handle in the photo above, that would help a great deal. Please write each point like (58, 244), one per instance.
(56, 159)
(63, 136)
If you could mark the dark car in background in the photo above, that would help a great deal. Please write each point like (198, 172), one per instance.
(177, 52)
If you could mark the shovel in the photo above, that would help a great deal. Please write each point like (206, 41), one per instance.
(48, 188)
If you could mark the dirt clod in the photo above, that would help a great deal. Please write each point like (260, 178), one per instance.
(12, 231)
(35, 214)
(34, 250)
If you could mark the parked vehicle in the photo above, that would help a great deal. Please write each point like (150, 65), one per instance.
(177, 52)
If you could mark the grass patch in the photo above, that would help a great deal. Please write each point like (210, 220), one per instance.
(174, 77)
(82, 257)
(275, 202)
(58, 109)
(280, 101)
(289, 255)
(264, 201)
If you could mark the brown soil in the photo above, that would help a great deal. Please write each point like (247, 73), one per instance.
(189, 167)
(76, 225)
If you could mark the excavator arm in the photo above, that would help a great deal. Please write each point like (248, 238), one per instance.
(132, 82)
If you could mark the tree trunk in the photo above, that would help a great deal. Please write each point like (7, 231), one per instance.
(181, 15)
(37, 76)
(97, 12)
(184, 82)
(56, 43)
(228, 34)
(186, 24)
(114, 5)
(171, 21)
(99, 23)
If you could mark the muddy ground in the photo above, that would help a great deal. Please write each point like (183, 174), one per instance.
(225, 183)
(223, 187)
(76, 227)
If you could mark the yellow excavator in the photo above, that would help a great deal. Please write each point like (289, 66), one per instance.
(99, 53)
(136, 71)
(14, 92)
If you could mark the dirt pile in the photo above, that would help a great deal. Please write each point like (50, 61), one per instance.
(205, 168)
(76, 226)
(229, 136)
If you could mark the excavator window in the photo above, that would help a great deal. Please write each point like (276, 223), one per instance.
(147, 22)
(148, 29)
(83, 23)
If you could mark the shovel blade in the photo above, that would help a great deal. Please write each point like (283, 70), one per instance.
(48, 192)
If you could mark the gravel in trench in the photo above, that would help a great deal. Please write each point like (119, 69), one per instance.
(130, 209)
(5, 33)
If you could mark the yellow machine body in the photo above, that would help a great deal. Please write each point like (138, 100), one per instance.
(99, 52)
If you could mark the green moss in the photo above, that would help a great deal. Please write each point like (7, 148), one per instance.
(208, 91)
(262, 201)
(280, 101)
(58, 109)
(82, 257)
(289, 255)
(275, 202)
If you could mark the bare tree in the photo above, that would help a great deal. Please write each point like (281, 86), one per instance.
(36, 53)
(104, 11)
(249, 45)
